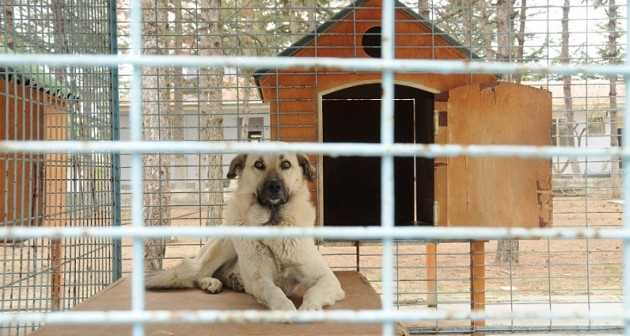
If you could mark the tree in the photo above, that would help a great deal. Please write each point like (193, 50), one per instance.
(178, 75)
(520, 37)
(612, 54)
(570, 123)
(457, 18)
(157, 194)
(507, 249)
(486, 31)
(8, 14)
(59, 33)
(210, 92)
(505, 29)
(424, 9)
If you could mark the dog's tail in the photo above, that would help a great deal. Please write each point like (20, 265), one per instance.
(213, 255)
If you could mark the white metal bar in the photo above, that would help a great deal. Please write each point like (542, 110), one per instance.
(137, 168)
(626, 179)
(265, 316)
(388, 65)
(356, 64)
(332, 149)
(387, 161)
(365, 233)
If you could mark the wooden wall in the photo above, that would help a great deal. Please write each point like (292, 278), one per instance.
(26, 114)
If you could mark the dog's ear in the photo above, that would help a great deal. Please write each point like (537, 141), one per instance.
(236, 166)
(307, 168)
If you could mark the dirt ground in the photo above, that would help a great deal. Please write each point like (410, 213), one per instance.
(550, 274)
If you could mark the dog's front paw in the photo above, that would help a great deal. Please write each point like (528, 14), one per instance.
(210, 285)
(310, 306)
(284, 305)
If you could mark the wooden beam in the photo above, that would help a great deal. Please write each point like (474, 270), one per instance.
(431, 268)
(477, 281)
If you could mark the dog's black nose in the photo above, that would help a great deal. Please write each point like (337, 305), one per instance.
(274, 186)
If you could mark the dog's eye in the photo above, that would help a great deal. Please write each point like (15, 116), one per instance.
(259, 165)
(285, 164)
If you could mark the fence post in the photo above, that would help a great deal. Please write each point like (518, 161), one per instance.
(115, 135)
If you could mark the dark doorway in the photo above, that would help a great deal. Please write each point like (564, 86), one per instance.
(352, 188)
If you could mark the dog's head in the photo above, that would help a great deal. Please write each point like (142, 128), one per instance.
(273, 179)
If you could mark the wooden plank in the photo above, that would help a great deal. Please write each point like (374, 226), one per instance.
(359, 296)
(499, 192)
(439, 177)
(477, 280)
(431, 267)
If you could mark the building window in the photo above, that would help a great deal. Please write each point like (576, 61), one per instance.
(250, 128)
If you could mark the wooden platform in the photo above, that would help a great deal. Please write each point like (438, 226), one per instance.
(359, 295)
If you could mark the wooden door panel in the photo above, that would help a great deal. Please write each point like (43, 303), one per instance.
(498, 192)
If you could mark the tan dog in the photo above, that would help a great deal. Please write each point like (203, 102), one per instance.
(272, 190)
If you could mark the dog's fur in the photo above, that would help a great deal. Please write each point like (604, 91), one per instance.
(272, 190)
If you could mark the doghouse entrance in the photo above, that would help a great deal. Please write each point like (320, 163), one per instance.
(351, 185)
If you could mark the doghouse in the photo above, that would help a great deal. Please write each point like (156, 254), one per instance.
(329, 105)
(31, 109)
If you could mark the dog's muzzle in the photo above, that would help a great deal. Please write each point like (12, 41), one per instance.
(272, 193)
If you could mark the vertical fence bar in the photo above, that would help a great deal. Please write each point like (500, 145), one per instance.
(137, 189)
(626, 181)
(115, 136)
(387, 161)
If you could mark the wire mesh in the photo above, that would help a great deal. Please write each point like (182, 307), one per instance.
(541, 275)
(226, 103)
(54, 190)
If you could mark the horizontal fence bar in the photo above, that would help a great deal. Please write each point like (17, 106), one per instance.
(355, 64)
(261, 316)
(365, 233)
(331, 149)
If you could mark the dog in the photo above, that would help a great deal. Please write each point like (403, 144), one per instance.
(272, 190)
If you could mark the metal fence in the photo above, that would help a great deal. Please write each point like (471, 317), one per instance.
(61, 103)
(186, 99)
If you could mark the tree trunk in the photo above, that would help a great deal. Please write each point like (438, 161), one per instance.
(507, 250)
(505, 32)
(177, 118)
(613, 55)
(566, 86)
(157, 191)
(61, 43)
(211, 96)
(520, 37)
(486, 31)
(466, 7)
(9, 24)
(424, 9)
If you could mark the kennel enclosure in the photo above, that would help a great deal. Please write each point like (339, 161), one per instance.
(320, 104)
(39, 102)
